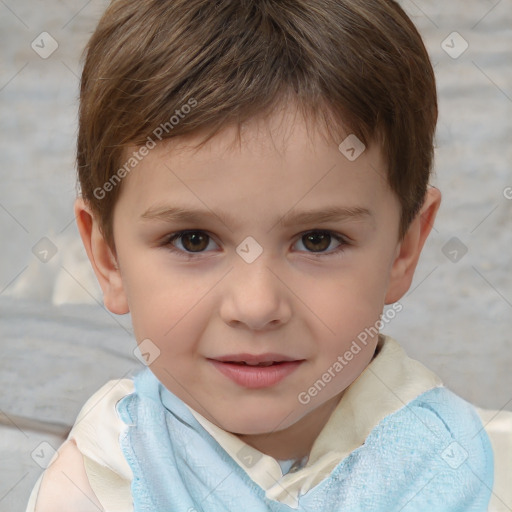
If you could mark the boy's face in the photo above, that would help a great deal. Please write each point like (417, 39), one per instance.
(255, 285)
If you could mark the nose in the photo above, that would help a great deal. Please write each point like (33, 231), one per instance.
(255, 297)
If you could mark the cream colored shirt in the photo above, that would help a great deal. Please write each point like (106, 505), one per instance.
(389, 382)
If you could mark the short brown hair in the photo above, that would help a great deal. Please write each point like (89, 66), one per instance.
(359, 66)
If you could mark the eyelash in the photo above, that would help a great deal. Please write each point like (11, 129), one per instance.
(178, 235)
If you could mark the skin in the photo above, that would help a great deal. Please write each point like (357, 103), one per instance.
(215, 303)
(290, 300)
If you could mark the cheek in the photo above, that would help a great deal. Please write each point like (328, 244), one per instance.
(160, 301)
(346, 301)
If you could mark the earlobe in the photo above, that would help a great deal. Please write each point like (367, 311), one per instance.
(103, 262)
(409, 249)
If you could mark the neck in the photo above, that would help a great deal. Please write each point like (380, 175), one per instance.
(296, 441)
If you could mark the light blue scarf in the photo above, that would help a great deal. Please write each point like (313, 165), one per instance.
(431, 455)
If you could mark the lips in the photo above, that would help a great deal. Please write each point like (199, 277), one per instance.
(246, 363)
(255, 359)
(256, 370)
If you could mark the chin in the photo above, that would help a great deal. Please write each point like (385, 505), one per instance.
(246, 427)
(256, 424)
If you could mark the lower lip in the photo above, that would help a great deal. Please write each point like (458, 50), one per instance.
(256, 376)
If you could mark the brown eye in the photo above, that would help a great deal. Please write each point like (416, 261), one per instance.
(194, 241)
(191, 241)
(317, 241)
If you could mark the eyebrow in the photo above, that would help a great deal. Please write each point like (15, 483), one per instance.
(331, 214)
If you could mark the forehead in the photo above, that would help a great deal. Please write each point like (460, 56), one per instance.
(277, 133)
(276, 163)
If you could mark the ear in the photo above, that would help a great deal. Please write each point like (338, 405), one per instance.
(409, 249)
(102, 260)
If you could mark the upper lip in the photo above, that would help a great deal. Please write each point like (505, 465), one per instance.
(255, 358)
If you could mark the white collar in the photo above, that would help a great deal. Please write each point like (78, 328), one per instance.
(389, 382)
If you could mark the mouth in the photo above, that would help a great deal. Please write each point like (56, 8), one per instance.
(256, 371)
(246, 363)
(266, 359)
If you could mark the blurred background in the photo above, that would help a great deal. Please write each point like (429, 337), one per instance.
(59, 344)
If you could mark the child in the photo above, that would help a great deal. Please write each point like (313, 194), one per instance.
(254, 179)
